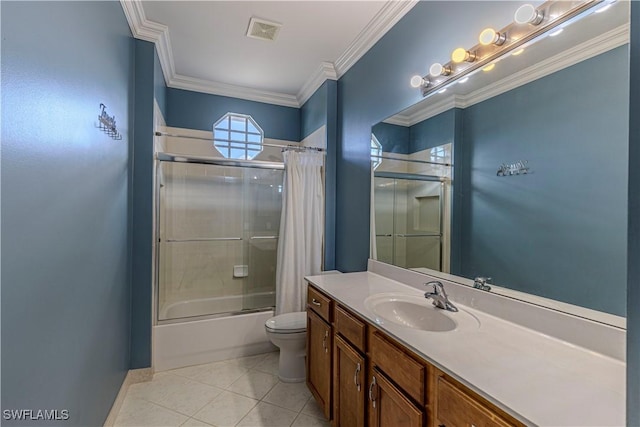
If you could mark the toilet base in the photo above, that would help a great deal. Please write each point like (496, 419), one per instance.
(291, 367)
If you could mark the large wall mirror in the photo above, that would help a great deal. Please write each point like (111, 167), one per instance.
(518, 173)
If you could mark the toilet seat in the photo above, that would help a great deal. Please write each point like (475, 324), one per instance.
(288, 323)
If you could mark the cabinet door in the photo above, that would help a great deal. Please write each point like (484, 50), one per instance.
(388, 406)
(348, 385)
(456, 408)
(319, 361)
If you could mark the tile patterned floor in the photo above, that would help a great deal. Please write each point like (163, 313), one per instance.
(238, 392)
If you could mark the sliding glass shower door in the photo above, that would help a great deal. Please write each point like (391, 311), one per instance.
(408, 221)
(218, 230)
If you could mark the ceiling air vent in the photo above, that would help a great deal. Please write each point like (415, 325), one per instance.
(263, 30)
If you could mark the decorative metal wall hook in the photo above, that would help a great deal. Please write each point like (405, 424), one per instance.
(107, 123)
(517, 168)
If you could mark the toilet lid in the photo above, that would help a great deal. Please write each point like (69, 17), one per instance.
(288, 323)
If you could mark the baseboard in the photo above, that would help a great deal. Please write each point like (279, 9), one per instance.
(134, 376)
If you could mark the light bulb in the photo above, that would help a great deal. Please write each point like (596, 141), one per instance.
(518, 52)
(490, 36)
(417, 81)
(527, 14)
(489, 67)
(461, 54)
(437, 69)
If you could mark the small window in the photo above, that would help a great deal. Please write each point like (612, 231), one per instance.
(237, 136)
(376, 152)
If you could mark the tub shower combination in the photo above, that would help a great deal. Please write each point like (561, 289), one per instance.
(217, 236)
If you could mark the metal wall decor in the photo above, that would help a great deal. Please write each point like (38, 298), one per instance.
(517, 168)
(107, 123)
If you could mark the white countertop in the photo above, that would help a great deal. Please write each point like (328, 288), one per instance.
(537, 378)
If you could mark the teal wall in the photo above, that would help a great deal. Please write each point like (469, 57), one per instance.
(633, 255)
(560, 231)
(376, 87)
(142, 204)
(321, 110)
(196, 110)
(65, 211)
(392, 138)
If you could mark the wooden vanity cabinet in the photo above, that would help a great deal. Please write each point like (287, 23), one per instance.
(360, 376)
(319, 349)
(455, 405)
(349, 385)
(389, 406)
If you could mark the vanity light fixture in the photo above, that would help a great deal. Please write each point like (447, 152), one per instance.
(490, 36)
(462, 55)
(437, 69)
(418, 81)
(527, 14)
(530, 25)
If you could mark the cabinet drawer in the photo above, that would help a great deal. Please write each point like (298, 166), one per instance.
(457, 408)
(319, 303)
(350, 327)
(398, 365)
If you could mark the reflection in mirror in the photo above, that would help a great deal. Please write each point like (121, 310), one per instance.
(519, 174)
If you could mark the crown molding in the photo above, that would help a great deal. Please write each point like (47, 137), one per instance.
(143, 29)
(215, 88)
(588, 49)
(382, 22)
(150, 31)
(429, 110)
(610, 40)
(326, 71)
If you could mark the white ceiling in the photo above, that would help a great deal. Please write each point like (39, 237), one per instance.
(202, 44)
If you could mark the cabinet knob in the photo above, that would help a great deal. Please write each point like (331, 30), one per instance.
(315, 302)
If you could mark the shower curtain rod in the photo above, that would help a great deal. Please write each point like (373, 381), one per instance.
(412, 160)
(283, 147)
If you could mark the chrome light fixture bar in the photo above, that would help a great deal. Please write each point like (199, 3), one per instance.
(530, 24)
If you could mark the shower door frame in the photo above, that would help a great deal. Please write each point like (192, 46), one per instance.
(416, 177)
(203, 160)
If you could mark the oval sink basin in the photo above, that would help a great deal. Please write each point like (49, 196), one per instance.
(417, 313)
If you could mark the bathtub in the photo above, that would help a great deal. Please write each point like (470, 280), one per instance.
(206, 306)
(202, 340)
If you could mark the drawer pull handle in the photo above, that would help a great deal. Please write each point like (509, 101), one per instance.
(324, 341)
(315, 302)
(371, 398)
(355, 377)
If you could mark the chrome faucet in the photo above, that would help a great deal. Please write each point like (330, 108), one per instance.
(482, 283)
(439, 296)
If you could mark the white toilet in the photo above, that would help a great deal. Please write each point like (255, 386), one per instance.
(289, 332)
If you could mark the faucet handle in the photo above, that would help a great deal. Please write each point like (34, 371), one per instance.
(438, 288)
(482, 283)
